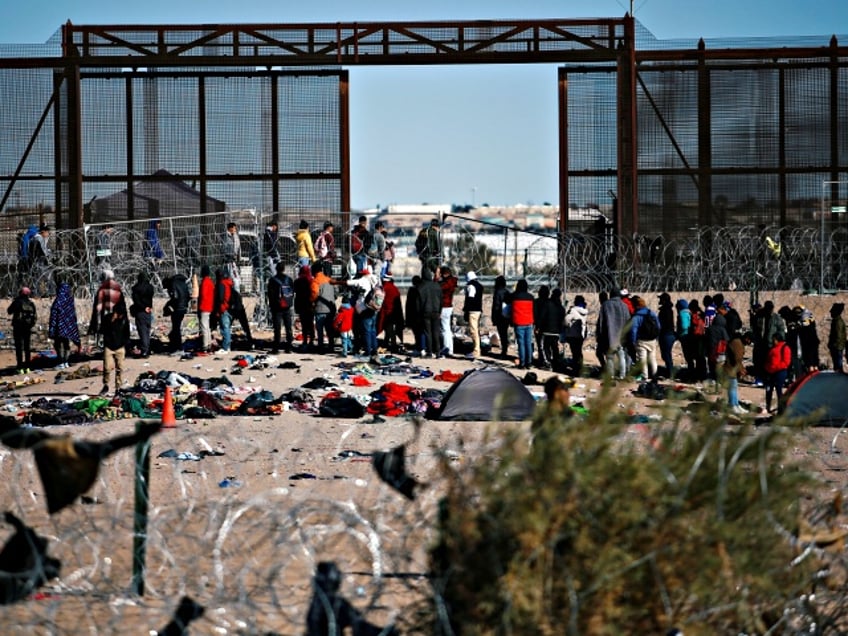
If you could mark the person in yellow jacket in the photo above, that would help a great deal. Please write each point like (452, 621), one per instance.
(305, 250)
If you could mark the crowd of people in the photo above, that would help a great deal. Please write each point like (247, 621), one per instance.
(362, 313)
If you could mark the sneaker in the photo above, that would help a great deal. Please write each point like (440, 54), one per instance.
(224, 351)
(739, 410)
(104, 390)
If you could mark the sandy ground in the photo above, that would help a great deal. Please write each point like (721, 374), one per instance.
(241, 532)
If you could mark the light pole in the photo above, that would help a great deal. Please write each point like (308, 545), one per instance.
(474, 197)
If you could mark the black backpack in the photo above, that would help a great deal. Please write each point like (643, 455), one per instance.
(649, 329)
(27, 315)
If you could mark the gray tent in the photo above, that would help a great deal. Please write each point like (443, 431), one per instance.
(165, 196)
(821, 393)
(488, 393)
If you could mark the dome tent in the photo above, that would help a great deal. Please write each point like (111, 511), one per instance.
(820, 394)
(486, 394)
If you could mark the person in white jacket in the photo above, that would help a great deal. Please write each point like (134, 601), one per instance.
(576, 329)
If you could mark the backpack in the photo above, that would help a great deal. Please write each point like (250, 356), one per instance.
(286, 294)
(421, 242)
(360, 239)
(649, 328)
(699, 327)
(321, 246)
(26, 315)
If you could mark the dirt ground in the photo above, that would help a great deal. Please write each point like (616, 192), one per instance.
(242, 531)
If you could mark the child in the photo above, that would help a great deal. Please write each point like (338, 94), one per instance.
(23, 315)
(343, 324)
(116, 335)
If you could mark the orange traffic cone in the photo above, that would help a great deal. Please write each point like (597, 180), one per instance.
(169, 420)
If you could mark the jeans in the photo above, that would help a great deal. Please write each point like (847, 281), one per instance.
(447, 334)
(226, 330)
(321, 329)
(617, 355)
(836, 355)
(347, 342)
(524, 339)
(733, 392)
(667, 341)
(369, 332)
(775, 382)
(280, 319)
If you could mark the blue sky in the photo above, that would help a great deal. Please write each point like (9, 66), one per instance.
(438, 134)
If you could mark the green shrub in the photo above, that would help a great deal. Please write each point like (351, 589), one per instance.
(595, 528)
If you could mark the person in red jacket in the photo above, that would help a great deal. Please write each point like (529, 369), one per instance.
(205, 305)
(343, 324)
(777, 362)
(390, 318)
(448, 282)
(522, 322)
(222, 311)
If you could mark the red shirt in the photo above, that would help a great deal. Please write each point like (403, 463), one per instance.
(448, 286)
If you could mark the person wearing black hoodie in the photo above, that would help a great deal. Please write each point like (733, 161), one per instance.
(142, 310)
(116, 334)
(430, 309)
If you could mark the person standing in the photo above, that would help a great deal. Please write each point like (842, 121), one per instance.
(221, 313)
(430, 306)
(523, 323)
(613, 319)
(776, 366)
(63, 327)
(231, 249)
(836, 339)
(205, 306)
(667, 336)
(448, 284)
(142, 310)
(176, 308)
(390, 319)
(115, 327)
(304, 307)
(40, 259)
(472, 310)
(270, 246)
(698, 340)
(377, 249)
(325, 245)
(500, 303)
(576, 324)
(683, 332)
(24, 317)
(733, 369)
(108, 295)
(412, 308)
(305, 249)
(324, 292)
(717, 338)
(433, 255)
(644, 331)
(360, 239)
(343, 324)
(152, 248)
(281, 302)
